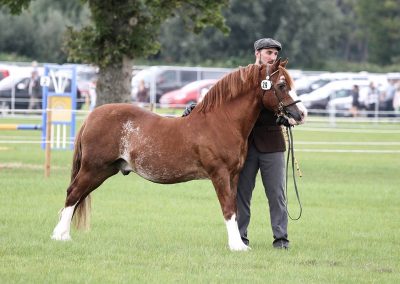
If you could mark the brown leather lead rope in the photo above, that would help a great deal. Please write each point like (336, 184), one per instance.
(289, 136)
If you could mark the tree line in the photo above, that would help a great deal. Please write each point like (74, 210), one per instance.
(114, 35)
(119, 32)
(316, 34)
(38, 32)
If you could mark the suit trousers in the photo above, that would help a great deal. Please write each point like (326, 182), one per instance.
(272, 169)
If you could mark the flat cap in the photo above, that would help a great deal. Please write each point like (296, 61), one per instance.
(267, 43)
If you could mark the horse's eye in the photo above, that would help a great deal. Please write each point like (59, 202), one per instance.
(282, 84)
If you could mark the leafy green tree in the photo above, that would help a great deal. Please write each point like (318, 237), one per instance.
(49, 47)
(122, 30)
(316, 34)
(19, 36)
(16, 6)
(352, 43)
(381, 25)
(247, 20)
(311, 32)
(125, 29)
(37, 33)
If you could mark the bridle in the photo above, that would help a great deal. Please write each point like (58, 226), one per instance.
(282, 119)
(266, 85)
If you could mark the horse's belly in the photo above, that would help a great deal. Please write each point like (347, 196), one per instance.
(168, 173)
(155, 156)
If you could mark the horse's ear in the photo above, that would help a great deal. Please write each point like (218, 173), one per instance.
(284, 62)
(276, 63)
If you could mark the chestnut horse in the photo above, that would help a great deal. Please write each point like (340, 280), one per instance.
(210, 143)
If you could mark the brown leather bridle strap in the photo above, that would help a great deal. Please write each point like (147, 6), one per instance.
(281, 105)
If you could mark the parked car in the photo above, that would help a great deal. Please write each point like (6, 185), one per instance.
(187, 94)
(85, 76)
(167, 78)
(307, 84)
(342, 105)
(319, 98)
(3, 73)
(14, 93)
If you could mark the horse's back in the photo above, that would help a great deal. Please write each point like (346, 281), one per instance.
(120, 111)
(113, 118)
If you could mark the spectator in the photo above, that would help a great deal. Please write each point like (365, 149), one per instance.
(396, 99)
(34, 90)
(372, 100)
(143, 94)
(355, 105)
(92, 95)
(388, 96)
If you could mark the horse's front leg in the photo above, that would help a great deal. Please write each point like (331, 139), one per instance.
(227, 199)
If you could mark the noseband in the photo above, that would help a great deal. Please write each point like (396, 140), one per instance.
(267, 85)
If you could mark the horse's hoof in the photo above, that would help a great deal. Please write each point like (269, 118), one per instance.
(61, 237)
(239, 247)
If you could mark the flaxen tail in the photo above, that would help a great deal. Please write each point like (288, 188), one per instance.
(81, 218)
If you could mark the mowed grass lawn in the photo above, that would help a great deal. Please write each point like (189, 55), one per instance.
(144, 232)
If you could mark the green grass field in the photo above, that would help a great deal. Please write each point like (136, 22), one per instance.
(144, 232)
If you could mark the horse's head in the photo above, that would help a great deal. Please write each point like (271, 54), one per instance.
(276, 83)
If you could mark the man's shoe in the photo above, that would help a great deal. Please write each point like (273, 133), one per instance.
(281, 244)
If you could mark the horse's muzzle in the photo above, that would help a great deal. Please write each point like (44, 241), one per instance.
(291, 115)
(283, 120)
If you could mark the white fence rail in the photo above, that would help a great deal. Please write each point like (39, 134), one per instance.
(384, 122)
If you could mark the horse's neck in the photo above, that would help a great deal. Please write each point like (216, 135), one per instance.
(246, 113)
(240, 113)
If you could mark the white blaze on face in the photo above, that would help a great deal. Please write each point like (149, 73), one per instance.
(301, 107)
(234, 239)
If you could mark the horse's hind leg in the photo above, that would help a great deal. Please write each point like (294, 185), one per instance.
(61, 231)
(84, 183)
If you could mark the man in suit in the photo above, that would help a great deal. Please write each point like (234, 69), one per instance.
(265, 153)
